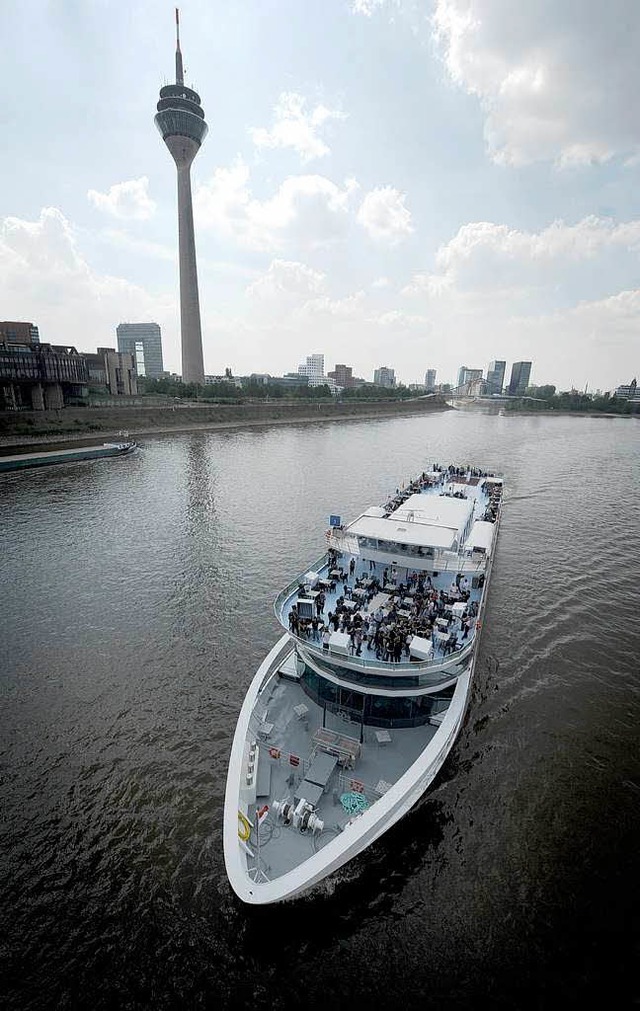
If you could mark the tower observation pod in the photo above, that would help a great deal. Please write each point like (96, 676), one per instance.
(180, 120)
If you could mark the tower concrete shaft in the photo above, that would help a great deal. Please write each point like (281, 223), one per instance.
(180, 120)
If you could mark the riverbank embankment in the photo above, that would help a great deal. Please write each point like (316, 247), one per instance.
(82, 424)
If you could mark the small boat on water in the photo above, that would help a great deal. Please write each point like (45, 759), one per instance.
(354, 710)
(40, 458)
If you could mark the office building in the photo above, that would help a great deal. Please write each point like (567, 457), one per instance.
(467, 375)
(342, 375)
(19, 333)
(313, 368)
(495, 377)
(384, 376)
(144, 342)
(180, 120)
(41, 377)
(430, 380)
(116, 370)
(520, 375)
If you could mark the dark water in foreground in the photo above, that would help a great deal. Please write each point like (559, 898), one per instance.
(136, 606)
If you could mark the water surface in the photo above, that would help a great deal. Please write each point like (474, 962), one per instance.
(137, 604)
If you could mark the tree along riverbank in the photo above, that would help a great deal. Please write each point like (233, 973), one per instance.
(27, 428)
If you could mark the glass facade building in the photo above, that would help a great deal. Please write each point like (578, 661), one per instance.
(495, 376)
(144, 342)
(520, 376)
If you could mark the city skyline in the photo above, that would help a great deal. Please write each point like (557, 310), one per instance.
(465, 203)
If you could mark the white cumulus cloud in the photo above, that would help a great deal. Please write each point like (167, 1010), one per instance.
(384, 216)
(487, 255)
(306, 211)
(44, 277)
(296, 126)
(127, 200)
(287, 280)
(556, 79)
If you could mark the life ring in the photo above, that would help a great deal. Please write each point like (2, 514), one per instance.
(274, 753)
(244, 827)
(478, 625)
(357, 786)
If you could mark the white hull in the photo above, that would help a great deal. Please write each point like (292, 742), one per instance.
(359, 834)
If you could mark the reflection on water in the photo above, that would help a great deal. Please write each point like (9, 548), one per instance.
(139, 605)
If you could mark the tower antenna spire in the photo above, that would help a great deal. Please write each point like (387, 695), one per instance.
(179, 69)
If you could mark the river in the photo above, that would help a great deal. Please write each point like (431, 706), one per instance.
(136, 606)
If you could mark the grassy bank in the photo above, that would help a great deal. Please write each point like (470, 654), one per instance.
(87, 425)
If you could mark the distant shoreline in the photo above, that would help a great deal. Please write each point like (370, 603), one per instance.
(135, 422)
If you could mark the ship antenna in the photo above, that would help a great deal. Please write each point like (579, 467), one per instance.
(179, 69)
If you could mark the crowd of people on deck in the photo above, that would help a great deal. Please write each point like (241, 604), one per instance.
(411, 607)
(432, 479)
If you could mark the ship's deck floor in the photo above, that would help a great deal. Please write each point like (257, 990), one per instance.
(378, 766)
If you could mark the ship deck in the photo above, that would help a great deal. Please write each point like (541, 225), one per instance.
(285, 726)
(347, 583)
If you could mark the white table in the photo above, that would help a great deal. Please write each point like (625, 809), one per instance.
(301, 710)
(339, 642)
(383, 737)
(383, 786)
(458, 609)
(351, 605)
(421, 649)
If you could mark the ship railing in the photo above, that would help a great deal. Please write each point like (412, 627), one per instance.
(389, 669)
(317, 566)
(351, 783)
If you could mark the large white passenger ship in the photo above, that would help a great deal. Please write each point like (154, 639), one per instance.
(354, 710)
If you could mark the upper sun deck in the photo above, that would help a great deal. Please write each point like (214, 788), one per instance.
(401, 585)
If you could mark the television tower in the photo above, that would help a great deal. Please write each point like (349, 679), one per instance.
(180, 120)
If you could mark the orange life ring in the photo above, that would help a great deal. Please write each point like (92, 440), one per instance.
(478, 625)
(357, 786)
(274, 752)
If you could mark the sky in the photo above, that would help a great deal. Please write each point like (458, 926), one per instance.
(410, 183)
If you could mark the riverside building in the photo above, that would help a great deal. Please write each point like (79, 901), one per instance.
(144, 342)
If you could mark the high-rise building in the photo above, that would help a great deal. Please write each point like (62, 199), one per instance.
(467, 375)
(520, 374)
(495, 376)
(342, 375)
(180, 120)
(384, 376)
(313, 367)
(430, 380)
(144, 342)
(19, 333)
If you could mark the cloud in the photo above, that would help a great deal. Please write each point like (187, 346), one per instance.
(296, 127)
(128, 200)
(485, 255)
(555, 79)
(44, 277)
(384, 216)
(306, 211)
(285, 280)
(366, 7)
